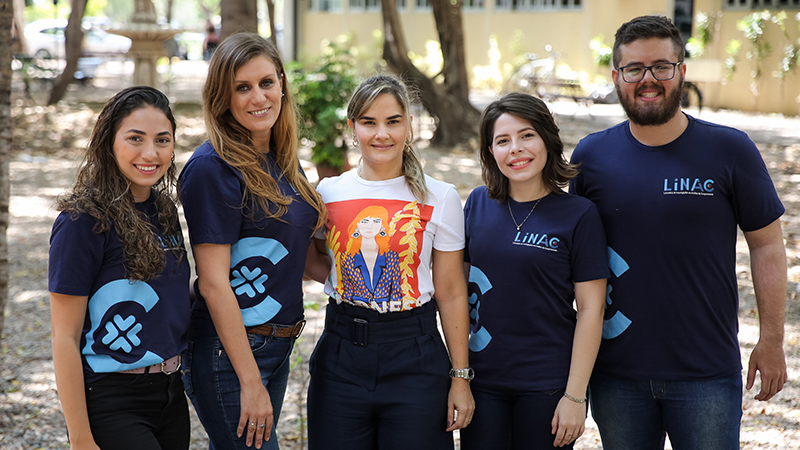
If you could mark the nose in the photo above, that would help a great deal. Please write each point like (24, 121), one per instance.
(382, 131)
(149, 152)
(649, 71)
(516, 146)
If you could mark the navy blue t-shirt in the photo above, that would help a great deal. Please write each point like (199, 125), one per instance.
(267, 255)
(671, 215)
(129, 324)
(521, 286)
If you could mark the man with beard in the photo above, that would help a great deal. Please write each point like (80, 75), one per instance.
(671, 191)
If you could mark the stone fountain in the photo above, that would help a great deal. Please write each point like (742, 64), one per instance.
(147, 42)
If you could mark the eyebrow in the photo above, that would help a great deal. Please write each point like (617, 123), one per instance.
(639, 63)
(265, 77)
(518, 131)
(396, 116)
(134, 130)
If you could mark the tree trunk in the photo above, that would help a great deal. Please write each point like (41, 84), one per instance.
(448, 101)
(238, 15)
(73, 37)
(6, 19)
(272, 33)
(169, 13)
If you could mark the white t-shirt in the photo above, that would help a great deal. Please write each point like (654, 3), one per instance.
(380, 238)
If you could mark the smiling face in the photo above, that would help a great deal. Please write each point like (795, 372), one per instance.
(256, 98)
(143, 147)
(382, 132)
(650, 102)
(520, 154)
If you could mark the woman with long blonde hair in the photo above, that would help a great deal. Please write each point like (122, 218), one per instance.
(251, 215)
(381, 377)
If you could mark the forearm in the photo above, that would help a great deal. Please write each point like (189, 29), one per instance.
(227, 317)
(454, 313)
(71, 390)
(586, 342)
(590, 298)
(768, 269)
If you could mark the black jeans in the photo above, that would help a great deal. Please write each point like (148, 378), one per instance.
(138, 412)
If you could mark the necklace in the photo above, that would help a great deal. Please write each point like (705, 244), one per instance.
(508, 202)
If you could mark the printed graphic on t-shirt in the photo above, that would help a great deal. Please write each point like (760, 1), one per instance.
(251, 259)
(375, 246)
(478, 285)
(118, 312)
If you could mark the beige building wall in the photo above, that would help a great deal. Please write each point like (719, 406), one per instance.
(568, 31)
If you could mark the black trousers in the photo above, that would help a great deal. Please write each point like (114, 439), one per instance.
(379, 381)
(138, 412)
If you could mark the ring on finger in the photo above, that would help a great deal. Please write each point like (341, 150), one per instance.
(262, 425)
(252, 424)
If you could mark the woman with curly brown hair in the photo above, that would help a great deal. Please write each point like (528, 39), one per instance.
(251, 215)
(119, 284)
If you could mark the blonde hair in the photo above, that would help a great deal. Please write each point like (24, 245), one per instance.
(234, 143)
(362, 99)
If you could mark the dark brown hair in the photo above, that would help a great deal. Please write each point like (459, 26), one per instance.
(646, 27)
(557, 170)
(103, 192)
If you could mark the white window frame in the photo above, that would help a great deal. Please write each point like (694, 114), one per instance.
(334, 6)
(760, 4)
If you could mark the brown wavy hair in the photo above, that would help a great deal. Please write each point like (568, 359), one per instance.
(362, 99)
(557, 170)
(103, 192)
(234, 143)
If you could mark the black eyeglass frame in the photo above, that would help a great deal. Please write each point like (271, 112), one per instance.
(674, 65)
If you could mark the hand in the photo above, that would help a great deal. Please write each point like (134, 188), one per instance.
(87, 444)
(460, 404)
(770, 360)
(568, 422)
(256, 415)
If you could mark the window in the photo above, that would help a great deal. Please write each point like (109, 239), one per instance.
(367, 5)
(325, 5)
(523, 5)
(473, 4)
(423, 4)
(761, 4)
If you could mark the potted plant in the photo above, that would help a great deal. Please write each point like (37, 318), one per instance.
(322, 94)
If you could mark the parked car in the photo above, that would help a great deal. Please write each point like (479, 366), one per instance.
(45, 39)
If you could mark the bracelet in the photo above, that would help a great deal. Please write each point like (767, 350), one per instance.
(576, 400)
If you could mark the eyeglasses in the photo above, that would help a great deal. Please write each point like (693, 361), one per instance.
(634, 73)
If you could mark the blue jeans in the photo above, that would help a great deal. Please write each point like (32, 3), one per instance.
(212, 385)
(511, 420)
(132, 412)
(638, 414)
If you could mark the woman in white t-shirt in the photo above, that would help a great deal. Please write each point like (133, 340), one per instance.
(381, 376)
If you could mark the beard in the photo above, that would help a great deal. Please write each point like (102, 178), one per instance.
(652, 114)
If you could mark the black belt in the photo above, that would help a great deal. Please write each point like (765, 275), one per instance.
(367, 330)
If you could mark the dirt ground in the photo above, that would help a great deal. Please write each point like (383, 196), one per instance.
(46, 154)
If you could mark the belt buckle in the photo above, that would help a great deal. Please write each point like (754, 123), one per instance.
(360, 332)
(164, 365)
(298, 328)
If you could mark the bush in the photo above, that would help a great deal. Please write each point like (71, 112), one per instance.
(322, 94)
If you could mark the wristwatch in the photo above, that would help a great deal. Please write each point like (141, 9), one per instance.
(467, 374)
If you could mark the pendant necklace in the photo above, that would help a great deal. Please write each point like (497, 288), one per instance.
(508, 202)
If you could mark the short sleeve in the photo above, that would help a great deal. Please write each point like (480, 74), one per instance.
(450, 234)
(211, 195)
(76, 255)
(755, 199)
(589, 255)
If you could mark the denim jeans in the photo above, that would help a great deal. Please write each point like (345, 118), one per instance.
(639, 414)
(133, 412)
(212, 385)
(511, 420)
